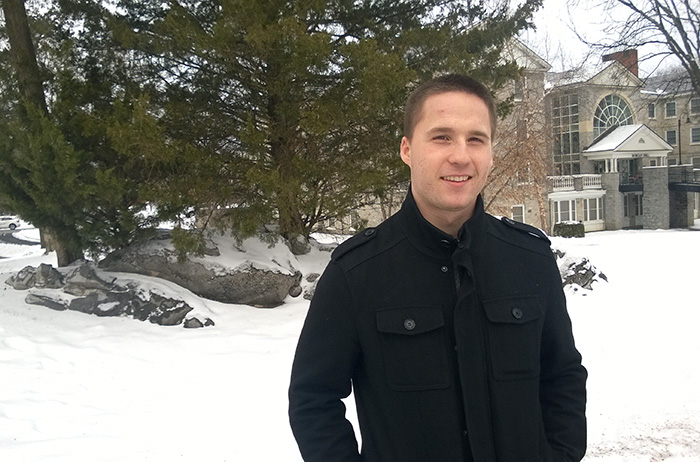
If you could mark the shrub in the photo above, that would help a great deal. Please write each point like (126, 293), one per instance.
(569, 229)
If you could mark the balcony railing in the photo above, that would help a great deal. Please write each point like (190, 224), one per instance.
(592, 181)
(631, 179)
(575, 182)
(683, 174)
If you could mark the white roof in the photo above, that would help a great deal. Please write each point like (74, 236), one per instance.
(628, 141)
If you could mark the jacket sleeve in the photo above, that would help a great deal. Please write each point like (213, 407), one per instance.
(562, 381)
(322, 372)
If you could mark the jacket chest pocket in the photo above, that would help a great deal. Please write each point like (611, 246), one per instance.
(514, 336)
(413, 346)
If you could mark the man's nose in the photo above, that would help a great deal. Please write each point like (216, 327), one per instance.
(460, 153)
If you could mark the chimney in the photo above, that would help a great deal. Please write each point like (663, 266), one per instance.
(627, 58)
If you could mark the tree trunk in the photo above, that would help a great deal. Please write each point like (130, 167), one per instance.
(23, 55)
(64, 255)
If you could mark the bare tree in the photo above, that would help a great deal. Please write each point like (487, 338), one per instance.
(521, 161)
(670, 28)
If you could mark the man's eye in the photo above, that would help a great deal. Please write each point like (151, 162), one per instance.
(441, 137)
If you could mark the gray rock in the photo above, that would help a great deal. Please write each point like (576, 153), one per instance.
(96, 295)
(311, 277)
(48, 277)
(244, 285)
(579, 272)
(196, 323)
(299, 245)
(84, 279)
(47, 301)
(23, 280)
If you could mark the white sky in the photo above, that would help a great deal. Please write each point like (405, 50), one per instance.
(557, 43)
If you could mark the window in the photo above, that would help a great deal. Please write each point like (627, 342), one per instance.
(670, 109)
(633, 204)
(518, 213)
(593, 209)
(696, 162)
(638, 209)
(565, 130)
(651, 110)
(612, 111)
(519, 89)
(564, 211)
(695, 106)
(652, 162)
(694, 135)
(671, 137)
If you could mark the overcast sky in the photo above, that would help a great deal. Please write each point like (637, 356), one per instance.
(559, 45)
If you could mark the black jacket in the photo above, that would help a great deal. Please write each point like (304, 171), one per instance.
(456, 349)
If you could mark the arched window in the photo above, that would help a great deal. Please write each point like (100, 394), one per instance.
(612, 110)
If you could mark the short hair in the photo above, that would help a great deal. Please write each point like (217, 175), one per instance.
(444, 84)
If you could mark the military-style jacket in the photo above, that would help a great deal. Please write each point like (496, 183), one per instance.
(455, 349)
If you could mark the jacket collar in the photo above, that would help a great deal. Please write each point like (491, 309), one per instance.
(429, 239)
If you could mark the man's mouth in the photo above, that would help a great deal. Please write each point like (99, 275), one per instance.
(456, 179)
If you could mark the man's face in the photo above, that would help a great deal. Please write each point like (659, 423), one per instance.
(450, 155)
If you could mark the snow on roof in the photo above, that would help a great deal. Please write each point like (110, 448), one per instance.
(615, 138)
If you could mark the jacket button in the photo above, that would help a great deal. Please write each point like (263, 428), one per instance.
(444, 269)
(517, 313)
(409, 324)
(369, 232)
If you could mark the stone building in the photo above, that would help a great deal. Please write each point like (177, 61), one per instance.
(626, 153)
(601, 147)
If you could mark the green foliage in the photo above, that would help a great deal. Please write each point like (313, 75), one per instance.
(296, 107)
(249, 111)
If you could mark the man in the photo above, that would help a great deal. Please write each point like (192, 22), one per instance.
(449, 325)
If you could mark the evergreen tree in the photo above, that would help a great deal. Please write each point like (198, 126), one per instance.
(252, 111)
(59, 168)
(293, 108)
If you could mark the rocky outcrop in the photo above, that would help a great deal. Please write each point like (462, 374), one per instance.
(577, 272)
(249, 283)
(85, 289)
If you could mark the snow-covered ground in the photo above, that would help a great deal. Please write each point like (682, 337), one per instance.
(75, 387)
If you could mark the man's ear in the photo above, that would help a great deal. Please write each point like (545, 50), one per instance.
(406, 151)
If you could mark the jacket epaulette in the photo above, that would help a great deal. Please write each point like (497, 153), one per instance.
(525, 228)
(354, 242)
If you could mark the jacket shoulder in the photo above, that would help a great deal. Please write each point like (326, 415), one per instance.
(355, 242)
(520, 234)
(366, 244)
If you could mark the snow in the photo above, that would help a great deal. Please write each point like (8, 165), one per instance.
(76, 387)
(615, 138)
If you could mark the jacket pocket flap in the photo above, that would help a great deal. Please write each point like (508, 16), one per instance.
(410, 320)
(513, 310)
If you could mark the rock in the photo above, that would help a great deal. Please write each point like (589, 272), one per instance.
(91, 293)
(47, 276)
(577, 272)
(246, 284)
(23, 280)
(311, 277)
(295, 291)
(84, 279)
(299, 245)
(43, 276)
(195, 323)
(47, 301)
